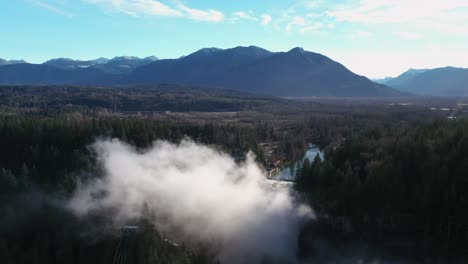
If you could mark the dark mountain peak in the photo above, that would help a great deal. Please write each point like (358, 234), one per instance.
(100, 60)
(68, 61)
(250, 50)
(299, 56)
(227, 57)
(405, 77)
(293, 73)
(254, 47)
(124, 58)
(17, 61)
(383, 80)
(451, 68)
(249, 68)
(59, 60)
(297, 50)
(70, 64)
(209, 50)
(246, 48)
(151, 58)
(201, 53)
(415, 71)
(132, 59)
(9, 62)
(439, 81)
(124, 64)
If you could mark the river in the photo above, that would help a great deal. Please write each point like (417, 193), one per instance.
(288, 173)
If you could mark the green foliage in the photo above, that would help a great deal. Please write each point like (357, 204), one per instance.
(128, 99)
(402, 183)
(46, 151)
(43, 232)
(40, 161)
(51, 152)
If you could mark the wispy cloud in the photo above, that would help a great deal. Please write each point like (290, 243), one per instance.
(406, 35)
(241, 15)
(52, 7)
(311, 4)
(295, 21)
(304, 15)
(315, 27)
(138, 7)
(364, 34)
(266, 19)
(156, 8)
(447, 15)
(210, 15)
(361, 35)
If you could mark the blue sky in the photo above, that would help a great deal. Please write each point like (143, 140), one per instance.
(375, 38)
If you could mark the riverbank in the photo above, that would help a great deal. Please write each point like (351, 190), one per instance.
(287, 172)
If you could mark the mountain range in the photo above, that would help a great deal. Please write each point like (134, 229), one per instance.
(9, 62)
(447, 81)
(293, 73)
(69, 71)
(117, 65)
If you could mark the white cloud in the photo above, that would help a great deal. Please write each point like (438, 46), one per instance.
(447, 16)
(361, 34)
(202, 15)
(266, 19)
(138, 7)
(406, 35)
(51, 7)
(296, 21)
(243, 15)
(314, 15)
(304, 15)
(157, 8)
(364, 34)
(311, 4)
(314, 27)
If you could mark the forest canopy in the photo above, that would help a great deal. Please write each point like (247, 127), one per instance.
(407, 184)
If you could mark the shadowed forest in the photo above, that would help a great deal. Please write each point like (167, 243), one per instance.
(393, 179)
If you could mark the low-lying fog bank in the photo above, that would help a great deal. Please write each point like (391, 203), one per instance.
(198, 195)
